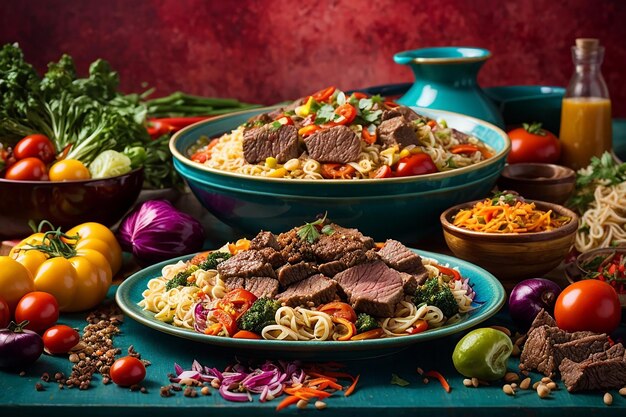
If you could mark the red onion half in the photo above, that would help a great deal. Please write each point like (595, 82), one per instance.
(529, 297)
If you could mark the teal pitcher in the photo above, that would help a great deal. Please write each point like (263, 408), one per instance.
(446, 79)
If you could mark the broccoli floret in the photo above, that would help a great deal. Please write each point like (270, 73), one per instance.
(365, 322)
(434, 294)
(180, 279)
(213, 259)
(259, 315)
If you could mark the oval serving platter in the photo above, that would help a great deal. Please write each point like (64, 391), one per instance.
(489, 293)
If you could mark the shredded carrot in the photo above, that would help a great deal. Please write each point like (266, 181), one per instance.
(500, 216)
(350, 389)
(442, 380)
(319, 375)
(287, 402)
(338, 375)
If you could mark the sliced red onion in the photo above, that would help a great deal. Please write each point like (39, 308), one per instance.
(200, 316)
(234, 396)
(186, 375)
(264, 393)
(178, 369)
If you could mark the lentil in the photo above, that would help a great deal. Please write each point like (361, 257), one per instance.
(608, 398)
(205, 391)
(301, 404)
(508, 390)
(215, 383)
(467, 382)
(545, 379)
(143, 390)
(475, 382)
(420, 371)
(516, 351)
(536, 384)
(22, 373)
(552, 385)
(45, 377)
(525, 384)
(543, 391)
(622, 391)
(39, 387)
(165, 392)
(176, 388)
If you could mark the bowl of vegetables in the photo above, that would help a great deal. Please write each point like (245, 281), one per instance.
(510, 237)
(603, 264)
(386, 202)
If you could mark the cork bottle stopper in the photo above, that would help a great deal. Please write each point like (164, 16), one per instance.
(587, 44)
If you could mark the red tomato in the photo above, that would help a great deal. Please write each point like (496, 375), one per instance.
(324, 95)
(60, 339)
(383, 172)
(127, 371)
(237, 302)
(39, 308)
(340, 310)
(416, 164)
(244, 334)
(337, 171)
(227, 320)
(588, 305)
(5, 313)
(531, 143)
(37, 146)
(27, 169)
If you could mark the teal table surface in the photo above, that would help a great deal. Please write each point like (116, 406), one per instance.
(374, 394)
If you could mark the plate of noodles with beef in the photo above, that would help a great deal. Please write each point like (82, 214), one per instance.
(335, 135)
(318, 287)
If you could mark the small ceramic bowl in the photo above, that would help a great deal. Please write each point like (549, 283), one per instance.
(511, 257)
(575, 271)
(65, 203)
(543, 182)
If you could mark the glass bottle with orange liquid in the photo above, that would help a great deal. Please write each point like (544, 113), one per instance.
(586, 110)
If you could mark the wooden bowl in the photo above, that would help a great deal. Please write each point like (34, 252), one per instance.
(543, 182)
(511, 257)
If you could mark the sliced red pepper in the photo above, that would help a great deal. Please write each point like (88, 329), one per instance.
(368, 137)
(370, 334)
(464, 148)
(284, 120)
(308, 130)
(418, 327)
(347, 113)
(157, 128)
(383, 172)
(449, 272)
(205, 153)
(179, 122)
(358, 95)
(431, 124)
(339, 309)
(236, 302)
(245, 334)
(323, 95)
(390, 104)
(337, 171)
(349, 325)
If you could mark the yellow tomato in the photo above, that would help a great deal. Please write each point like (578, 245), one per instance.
(15, 281)
(67, 170)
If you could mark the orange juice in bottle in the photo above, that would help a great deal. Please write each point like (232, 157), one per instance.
(586, 111)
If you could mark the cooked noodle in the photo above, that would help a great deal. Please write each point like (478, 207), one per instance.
(604, 223)
(407, 314)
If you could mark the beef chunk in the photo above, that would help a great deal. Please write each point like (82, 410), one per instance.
(293, 248)
(539, 350)
(397, 131)
(372, 288)
(272, 257)
(593, 375)
(233, 283)
(312, 291)
(402, 111)
(460, 136)
(337, 245)
(348, 260)
(580, 349)
(332, 268)
(263, 118)
(248, 263)
(262, 286)
(338, 144)
(264, 240)
(542, 318)
(262, 142)
(614, 352)
(399, 257)
(288, 274)
(354, 234)
(410, 282)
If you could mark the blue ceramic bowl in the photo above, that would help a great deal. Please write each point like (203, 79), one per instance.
(403, 208)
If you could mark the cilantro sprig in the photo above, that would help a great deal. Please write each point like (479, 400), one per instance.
(310, 233)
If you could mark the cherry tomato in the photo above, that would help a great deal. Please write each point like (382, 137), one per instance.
(68, 170)
(37, 146)
(227, 320)
(39, 308)
(5, 313)
(368, 137)
(237, 302)
(416, 164)
(245, 334)
(324, 95)
(27, 169)
(127, 371)
(339, 309)
(60, 339)
(337, 171)
(531, 143)
(383, 172)
(588, 305)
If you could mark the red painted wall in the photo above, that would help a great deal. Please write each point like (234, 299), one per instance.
(268, 51)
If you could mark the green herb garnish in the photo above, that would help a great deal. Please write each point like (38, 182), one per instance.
(309, 231)
(396, 380)
(276, 125)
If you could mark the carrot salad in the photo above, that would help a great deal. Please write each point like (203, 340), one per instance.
(508, 215)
